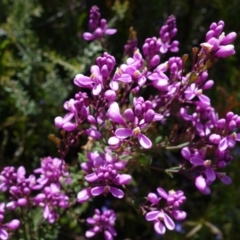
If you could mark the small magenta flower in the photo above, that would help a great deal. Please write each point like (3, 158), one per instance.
(19, 186)
(217, 43)
(134, 122)
(97, 26)
(161, 221)
(161, 216)
(103, 176)
(167, 33)
(99, 74)
(51, 200)
(8, 177)
(209, 172)
(52, 170)
(102, 223)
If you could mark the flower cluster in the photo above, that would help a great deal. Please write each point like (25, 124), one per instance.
(97, 26)
(18, 185)
(103, 176)
(161, 216)
(22, 189)
(125, 108)
(143, 93)
(52, 170)
(102, 223)
(51, 200)
(221, 138)
(167, 33)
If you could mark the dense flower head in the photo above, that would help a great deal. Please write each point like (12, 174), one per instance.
(102, 223)
(103, 175)
(8, 177)
(161, 216)
(167, 33)
(51, 200)
(217, 43)
(78, 110)
(99, 74)
(134, 121)
(18, 185)
(52, 170)
(94, 17)
(151, 51)
(206, 168)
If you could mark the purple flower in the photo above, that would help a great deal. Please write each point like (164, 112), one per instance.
(51, 200)
(202, 185)
(151, 50)
(158, 77)
(167, 33)
(102, 223)
(103, 176)
(209, 172)
(99, 74)
(78, 110)
(132, 71)
(161, 216)
(18, 185)
(97, 26)
(160, 219)
(52, 170)
(8, 178)
(217, 43)
(138, 119)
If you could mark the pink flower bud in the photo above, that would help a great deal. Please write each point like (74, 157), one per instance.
(14, 224)
(225, 51)
(229, 38)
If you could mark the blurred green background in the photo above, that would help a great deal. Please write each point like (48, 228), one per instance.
(40, 53)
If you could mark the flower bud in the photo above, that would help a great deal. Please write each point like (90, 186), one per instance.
(225, 51)
(229, 38)
(110, 95)
(14, 224)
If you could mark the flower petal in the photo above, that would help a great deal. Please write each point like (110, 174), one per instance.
(162, 193)
(223, 144)
(168, 222)
(114, 113)
(3, 234)
(123, 179)
(144, 141)
(210, 174)
(97, 88)
(97, 190)
(113, 141)
(196, 161)
(91, 177)
(123, 133)
(159, 227)
(88, 36)
(153, 215)
(116, 192)
(110, 31)
(83, 195)
(90, 234)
